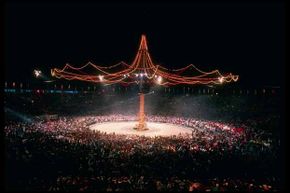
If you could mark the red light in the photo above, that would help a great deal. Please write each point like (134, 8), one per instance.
(143, 65)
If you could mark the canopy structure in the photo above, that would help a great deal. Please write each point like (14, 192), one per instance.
(143, 68)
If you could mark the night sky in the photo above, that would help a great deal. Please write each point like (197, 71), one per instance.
(242, 38)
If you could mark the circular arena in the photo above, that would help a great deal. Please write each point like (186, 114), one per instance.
(155, 129)
(160, 126)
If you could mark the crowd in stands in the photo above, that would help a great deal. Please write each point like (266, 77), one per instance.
(64, 154)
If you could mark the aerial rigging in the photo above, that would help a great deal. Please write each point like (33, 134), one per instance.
(142, 71)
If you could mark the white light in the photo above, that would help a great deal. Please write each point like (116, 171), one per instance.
(101, 77)
(221, 79)
(52, 72)
(155, 76)
(136, 75)
(159, 79)
(37, 73)
(141, 74)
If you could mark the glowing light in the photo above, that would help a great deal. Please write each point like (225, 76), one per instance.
(221, 79)
(101, 77)
(142, 62)
(52, 72)
(159, 80)
(37, 73)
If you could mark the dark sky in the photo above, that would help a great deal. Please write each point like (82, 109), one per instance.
(243, 38)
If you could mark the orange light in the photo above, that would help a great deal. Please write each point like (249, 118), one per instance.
(221, 79)
(143, 65)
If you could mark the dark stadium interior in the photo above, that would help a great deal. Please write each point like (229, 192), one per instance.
(63, 159)
(237, 128)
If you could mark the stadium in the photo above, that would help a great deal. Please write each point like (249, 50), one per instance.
(76, 156)
(141, 125)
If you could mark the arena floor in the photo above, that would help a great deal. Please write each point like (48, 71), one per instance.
(155, 129)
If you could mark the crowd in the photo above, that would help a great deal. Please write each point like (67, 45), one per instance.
(64, 154)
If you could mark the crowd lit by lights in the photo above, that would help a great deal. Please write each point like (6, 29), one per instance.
(141, 67)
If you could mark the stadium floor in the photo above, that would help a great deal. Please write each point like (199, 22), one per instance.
(154, 129)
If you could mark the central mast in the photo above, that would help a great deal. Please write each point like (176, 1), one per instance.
(141, 62)
(141, 126)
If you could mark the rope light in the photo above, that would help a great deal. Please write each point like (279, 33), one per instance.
(142, 67)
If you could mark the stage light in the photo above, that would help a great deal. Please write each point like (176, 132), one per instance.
(137, 75)
(141, 74)
(221, 79)
(37, 73)
(52, 72)
(159, 80)
(101, 77)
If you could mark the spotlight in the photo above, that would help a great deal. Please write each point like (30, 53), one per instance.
(37, 73)
(221, 79)
(159, 80)
(101, 77)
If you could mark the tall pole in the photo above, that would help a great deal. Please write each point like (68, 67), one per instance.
(141, 126)
(141, 117)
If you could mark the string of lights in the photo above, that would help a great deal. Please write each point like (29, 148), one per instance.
(144, 68)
